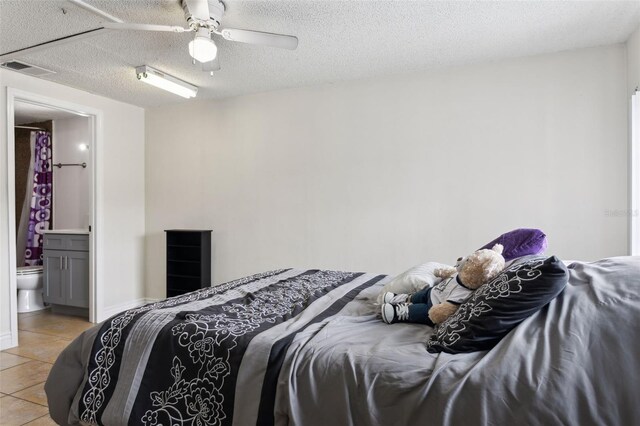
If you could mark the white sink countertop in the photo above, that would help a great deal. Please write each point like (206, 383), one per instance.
(67, 231)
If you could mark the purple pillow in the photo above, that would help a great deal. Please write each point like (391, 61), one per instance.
(520, 242)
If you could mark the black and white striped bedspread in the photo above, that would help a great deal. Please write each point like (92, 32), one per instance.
(210, 357)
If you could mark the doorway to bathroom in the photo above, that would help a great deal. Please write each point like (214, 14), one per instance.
(52, 211)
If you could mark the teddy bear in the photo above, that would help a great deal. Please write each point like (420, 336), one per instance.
(470, 272)
(433, 305)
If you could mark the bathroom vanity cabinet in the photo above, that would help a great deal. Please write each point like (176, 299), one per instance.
(66, 270)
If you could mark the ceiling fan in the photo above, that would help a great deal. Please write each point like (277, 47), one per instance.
(202, 18)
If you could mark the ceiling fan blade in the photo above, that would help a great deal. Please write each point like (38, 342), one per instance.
(145, 27)
(95, 10)
(8, 56)
(211, 65)
(199, 9)
(258, 37)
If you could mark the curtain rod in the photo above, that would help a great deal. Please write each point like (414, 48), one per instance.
(61, 165)
(30, 128)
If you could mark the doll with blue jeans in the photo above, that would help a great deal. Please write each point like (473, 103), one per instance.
(433, 305)
(415, 307)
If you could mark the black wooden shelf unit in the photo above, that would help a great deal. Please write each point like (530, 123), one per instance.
(188, 260)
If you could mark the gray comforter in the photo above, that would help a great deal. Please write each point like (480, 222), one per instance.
(575, 362)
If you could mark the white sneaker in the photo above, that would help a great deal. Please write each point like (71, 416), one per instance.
(394, 313)
(395, 298)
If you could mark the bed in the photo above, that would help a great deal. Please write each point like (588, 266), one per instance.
(306, 347)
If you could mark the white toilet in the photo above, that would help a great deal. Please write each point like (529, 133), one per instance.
(29, 282)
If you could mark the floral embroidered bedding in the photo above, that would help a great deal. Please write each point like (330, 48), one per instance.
(306, 347)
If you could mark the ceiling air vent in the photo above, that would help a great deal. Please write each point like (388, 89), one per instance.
(26, 68)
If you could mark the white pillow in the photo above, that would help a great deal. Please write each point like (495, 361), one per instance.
(414, 279)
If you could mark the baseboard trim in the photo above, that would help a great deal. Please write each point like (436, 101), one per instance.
(121, 307)
(5, 341)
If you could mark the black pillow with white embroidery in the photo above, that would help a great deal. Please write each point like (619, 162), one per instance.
(498, 306)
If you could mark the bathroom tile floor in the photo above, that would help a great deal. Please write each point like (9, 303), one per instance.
(24, 369)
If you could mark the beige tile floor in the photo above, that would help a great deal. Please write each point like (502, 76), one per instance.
(24, 369)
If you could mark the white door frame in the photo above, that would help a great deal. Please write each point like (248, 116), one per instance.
(634, 175)
(95, 215)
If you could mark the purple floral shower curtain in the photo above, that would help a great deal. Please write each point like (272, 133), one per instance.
(41, 199)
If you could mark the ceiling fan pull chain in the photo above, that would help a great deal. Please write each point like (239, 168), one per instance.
(195, 35)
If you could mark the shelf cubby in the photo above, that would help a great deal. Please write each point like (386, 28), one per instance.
(188, 260)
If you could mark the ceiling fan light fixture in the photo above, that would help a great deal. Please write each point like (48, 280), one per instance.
(202, 48)
(167, 82)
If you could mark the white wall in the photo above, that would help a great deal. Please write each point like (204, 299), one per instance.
(120, 165)
(71, 184)
(633, 82)
(380, 175)
(633, 61)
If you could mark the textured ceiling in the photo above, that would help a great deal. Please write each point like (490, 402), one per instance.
(30, 113)
(338, 40)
